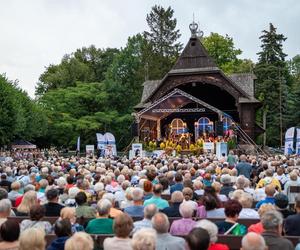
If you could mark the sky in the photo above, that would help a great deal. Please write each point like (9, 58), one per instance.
(37, 33)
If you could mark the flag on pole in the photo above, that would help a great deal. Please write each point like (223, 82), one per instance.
(78, 144)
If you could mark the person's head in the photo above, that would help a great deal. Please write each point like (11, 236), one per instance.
(240, 182)
(123, 225)
(186, 209)
(210, 202)
(32, 238)
(226, 179)
(63, 228)
(210, 227)
(73, 191)
(137, 194)
(148, 186)
(5, 208)
(243, 158)
(80, 241)
(272, 221)
(52, 195)
(150, 211)
(103, 207)
(187, 193)
(160, 223)
(10, 231)
(29, 199)
(270, 190)
(157, 189)
(36, 212)
(178, 177)
(15, 186)
(3, 194)
(217, 186)
(144, 239)
(198, 239)
(246, 200)
(264, 208)
(232, 209)
(253, 241)
(281, 201)
(177, 197)
(81, 198)
(68, 213)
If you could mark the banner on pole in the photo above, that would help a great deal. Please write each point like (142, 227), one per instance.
(78, 144)
(289, 141)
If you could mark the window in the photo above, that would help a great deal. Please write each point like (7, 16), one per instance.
(226, 123)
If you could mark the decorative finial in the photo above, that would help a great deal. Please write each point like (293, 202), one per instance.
(195, 32)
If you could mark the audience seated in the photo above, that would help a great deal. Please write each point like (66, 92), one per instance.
(144, 239)
(156, 198)
(114, 212)
(63, 230)
(272, 223)
(149, 212)
(292, 222)
(70, 214)
(5, 210)
(52, 207)
(178, 186)
(282, 205)
(185, 225)
(247, 212)
(36, 214)
(122, 227)
(80, 241)
(270, 191)
(102, 224)
(253, 241)
(198, 239)
(137, 209)
(165, 241)
(15, 191)
(32, 238)
(173, 209)
(227, 185)
(83, 210)
(29, 200)
(9, 232)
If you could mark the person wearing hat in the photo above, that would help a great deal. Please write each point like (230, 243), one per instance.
(227, 185)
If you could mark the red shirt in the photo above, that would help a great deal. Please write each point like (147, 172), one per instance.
(218, 246)
(256, 228)
(18, 201)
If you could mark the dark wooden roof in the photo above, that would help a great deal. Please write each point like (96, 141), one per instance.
(194, 55)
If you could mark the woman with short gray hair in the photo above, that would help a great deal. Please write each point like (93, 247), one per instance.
(5, 210)
(143, 239)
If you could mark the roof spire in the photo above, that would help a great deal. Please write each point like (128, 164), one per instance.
(194, 28)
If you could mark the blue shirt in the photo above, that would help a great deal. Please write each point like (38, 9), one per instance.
(135, 211)
(158, 201)
(265, 201)
(176, 187)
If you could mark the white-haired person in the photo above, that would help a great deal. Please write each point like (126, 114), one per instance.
(80, 241)
(70, 201)
(246, 201)
(185, 225)
(102, 224)
(212, 230)
(137, 209)
(149, 212)
(144, 239)
(32, 238)
(5, 210)
(114, 212)
(253, 241)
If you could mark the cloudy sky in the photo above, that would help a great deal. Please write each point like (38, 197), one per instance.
(36, 33)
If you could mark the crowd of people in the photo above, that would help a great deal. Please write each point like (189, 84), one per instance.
(172, 202)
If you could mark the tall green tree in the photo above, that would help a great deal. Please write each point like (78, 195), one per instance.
(163, 47)
(225, 54)
(272, 85)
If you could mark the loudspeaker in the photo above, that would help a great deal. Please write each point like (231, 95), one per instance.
(134, 129)
(219, 128)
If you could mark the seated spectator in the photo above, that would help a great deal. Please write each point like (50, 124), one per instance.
(122, 226)
(120, 196)
(53, 207)
(160, 223)
(272, 223)
(83, 210)
(184, 226)
(27, 188)
(269, 180)
(5, 210)
(70, 214)
(173, 209)
(246, 201)
(294, 180)
(198, 239)
(4, 183)
(188, 194)
(232, 209)
(144, 239)
(29, 200)
(270, 191)
(253, 241)
(137, 209)
(227, 185)
(165, 184)
(63, 231)
(281, 205)
(102, 224)
(292, 222)
(211, 208)
(114, 212)
(217, 186)
(149, 212)
(70, 201)
(9, 232)
(36, 214)
(156, 198)
(258, 227)
(15, 191)
(198, 188)
(178, 186)
(212, 230)
(148, 189)
(32, 238)
(80, 241)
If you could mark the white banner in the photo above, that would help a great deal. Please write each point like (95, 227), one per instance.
(221, 148)
(298, 142)
(289, 141)
(208, 146)
(89, 149)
